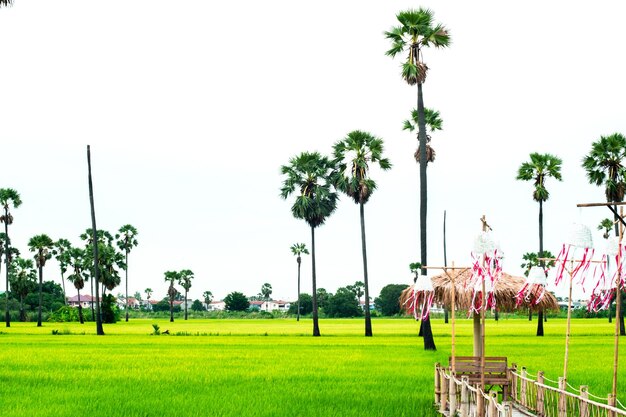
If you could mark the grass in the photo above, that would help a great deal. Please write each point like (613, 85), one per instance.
(268, 367)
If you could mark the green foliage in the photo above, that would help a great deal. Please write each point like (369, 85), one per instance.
(306, 305)
(110, 311)
(540, 167)
(532, 259)
(343, 304)
(126, 238)
(606, 225)
(266, 291)
(299, 249)
(388, 302)
(164, 305)
(236, 301)
(197, 306)
(156, 330)
(66, 314)
(604, 165)
(52, 298)
(323, 298)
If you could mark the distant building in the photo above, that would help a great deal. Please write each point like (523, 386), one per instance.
(85, 300)
(216, 306)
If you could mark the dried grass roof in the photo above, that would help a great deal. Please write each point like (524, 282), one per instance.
(506, 290)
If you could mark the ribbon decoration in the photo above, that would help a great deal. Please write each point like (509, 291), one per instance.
(534, 288)
(421, 299)
(577, 253)
(603, 293)
(487, 268)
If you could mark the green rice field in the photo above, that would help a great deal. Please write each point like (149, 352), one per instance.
(269, 367)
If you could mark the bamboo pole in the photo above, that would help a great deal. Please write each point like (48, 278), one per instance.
(582, 402)
(483, 306)
(437, 384)
(465, 406)
(569, 320)
(618, 305)
(540, 394)
(452, 395)
(562, 398)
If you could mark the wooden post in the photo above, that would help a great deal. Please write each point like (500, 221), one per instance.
(453, 347)
(514, 382)
(508, 408)
(444, 395)
(452, 394)
(493, 400)
(477, 345)
(618, 306)
(569, 320)
(540, 395)
(437, 384)
(523, 389)
(562, 398)
(465, 406)
(582, 401)
(611, 403)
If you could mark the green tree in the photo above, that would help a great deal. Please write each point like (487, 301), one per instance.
(323, 298)
(540, 167)
(299, 249)
(416, 31)
(186, 276)
(208, 297)
(148, 292)
(354, 156)
(606, 226)
(197, 306)
(61, 247)
(357, 289)
(126, 241)
(236, 301)
(8, 197)
(266, 292)
(308, 175)
(42, 245)
(388, 301)
(23, 278)
(343, 304)
(76, 261)
(433, 122)
(604, 167)
(172, 277)
(305, 307)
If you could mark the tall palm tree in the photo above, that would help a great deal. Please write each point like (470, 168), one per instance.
(60, 252)
(76, 260)
(354, 155)
(186, 275)
(6, 3)
(417, 31)
(208, 297)
(433, 122)
(172, 277)
(266, 292)
(604, 167)
(42, 245)
(104, 238)
(540, 167)
(148, 292)
(298, 249)
(8, 197)
(309, 173)
(126, 240)
(23, 278)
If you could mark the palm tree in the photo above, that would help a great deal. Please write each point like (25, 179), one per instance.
(148, 292)
(540, 167)
(42, 245)
(104, 238)
(76, 259)
(8, 197)
(415, 32)
(185, 281)
(6, 3)
(604, 167)
(127, 239)
(357, 289)
(266, 292)
(299, 249)
(23, 278)
(208, 297)
(309, 173)
(172, 277)
(433, 122)
(61, 247)
(354, 156)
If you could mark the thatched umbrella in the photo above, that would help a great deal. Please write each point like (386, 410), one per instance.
(505, 290)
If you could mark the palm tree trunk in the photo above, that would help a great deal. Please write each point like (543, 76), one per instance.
(540, 312)
(22, 315)
(64, 294)
(171, 307)
(96, 269)
(316, 326)
(127, 288)
(368, 317)
(445, 263)
(298, 314)
(93, 312)
(40, 295)
(7, 255)
(429, 341)
(80, 310)
(185, 303)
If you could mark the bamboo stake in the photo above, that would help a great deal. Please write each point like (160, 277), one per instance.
(483, 306)
(569, 320)
(618, 306)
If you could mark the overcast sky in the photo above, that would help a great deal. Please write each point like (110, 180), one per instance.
(191, 107)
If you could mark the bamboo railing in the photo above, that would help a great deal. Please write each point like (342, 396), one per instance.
(535, 396)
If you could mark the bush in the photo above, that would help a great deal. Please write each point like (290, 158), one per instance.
(388, 302)
(109, 310)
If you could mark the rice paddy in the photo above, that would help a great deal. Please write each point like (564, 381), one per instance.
(268, 367)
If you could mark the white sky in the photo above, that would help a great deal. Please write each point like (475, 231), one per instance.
(192, 106)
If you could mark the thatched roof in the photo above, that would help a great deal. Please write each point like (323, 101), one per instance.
(505, 290)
